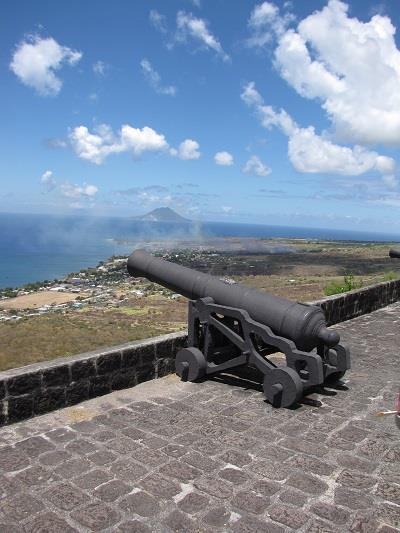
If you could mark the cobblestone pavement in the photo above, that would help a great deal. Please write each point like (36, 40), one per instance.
(209, 457)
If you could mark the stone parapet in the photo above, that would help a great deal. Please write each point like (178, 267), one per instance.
(42, 387)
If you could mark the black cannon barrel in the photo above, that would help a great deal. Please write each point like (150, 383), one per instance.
(394, 253)
(302, 323)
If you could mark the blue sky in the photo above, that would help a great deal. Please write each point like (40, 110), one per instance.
(278, 113)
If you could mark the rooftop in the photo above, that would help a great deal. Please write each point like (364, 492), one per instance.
(213, 456)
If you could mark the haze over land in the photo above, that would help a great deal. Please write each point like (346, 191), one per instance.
(249, 114)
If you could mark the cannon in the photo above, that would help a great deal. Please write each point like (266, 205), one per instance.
(230, 325)
(394, 253)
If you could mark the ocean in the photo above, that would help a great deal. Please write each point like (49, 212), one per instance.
(39, 247)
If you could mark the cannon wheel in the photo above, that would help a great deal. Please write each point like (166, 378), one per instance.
(282, 387)
(190, 364)
(334, 377)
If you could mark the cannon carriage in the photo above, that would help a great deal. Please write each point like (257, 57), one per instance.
(231, 325)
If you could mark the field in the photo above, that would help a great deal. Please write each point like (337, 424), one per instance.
(304, 272)
(38, 299)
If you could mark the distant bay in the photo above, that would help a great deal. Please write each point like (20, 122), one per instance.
(39, 247)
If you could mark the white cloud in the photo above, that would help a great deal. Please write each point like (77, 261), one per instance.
(154, 79)
(265, 22)
(76, 191)
(224, 159)
(256, 167)
(47, 180)
(95, 147)
(226, 209)
(36, 60)
(188, 149)
(352, 67)
(100, 68)
(158, 21)
(312, 153)
(196, 28)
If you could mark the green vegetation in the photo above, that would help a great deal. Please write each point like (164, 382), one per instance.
(349, 283)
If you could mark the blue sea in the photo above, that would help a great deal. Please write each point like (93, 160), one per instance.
(39, 247)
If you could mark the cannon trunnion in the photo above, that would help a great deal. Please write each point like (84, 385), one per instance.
(231, 325)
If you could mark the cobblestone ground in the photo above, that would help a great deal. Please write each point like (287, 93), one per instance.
(170, 456)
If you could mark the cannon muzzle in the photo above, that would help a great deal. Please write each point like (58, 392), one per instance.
(394, 253)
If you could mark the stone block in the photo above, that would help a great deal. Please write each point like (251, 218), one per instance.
(66, 497)
(108, 362)
(2, 389)
(111, 491)
(99, 385)
(140, 503)
(20, 407)
(49, 400)
(96, 516)
(130, 357)
(24, 383)
(56, 376)
(77, 391)
(83, 369)
(123, 379)
(48, 522)
(193, 503)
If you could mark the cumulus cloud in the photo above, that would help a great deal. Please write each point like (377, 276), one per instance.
(313, 153)
(351, 67)
(36, 60)
(224, 159)
(188, 149)
(158, 21)
(154, 79)
(95, 147)
(196, 29)
(77, 191)
(256, 167)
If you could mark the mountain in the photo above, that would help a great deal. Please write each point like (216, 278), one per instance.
(162, 214)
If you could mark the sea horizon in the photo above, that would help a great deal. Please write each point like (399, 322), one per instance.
(35, 247)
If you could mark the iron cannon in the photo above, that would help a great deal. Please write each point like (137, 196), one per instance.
(394, 253)
(231, 325)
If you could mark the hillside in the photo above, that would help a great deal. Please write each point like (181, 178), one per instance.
(162, 214)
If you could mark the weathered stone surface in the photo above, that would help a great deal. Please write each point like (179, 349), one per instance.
(20, 407)
(24, 384)
(96, 516)
(204, 457)
(58, 375)
(83, 369)
(140, 503)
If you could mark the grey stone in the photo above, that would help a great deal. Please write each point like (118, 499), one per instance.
(48, 523)
(80, 446)
(193, 503)
(355, 480)
(12, 459)
(20, 506)
(49, 400)
(93, 479)
(389, 492)
(250, 501)
(108, 363)
(180, 471)
(175, 450)
(294, 518)
(318, 526)
(65, 496)
(235, 458)
(96, 516)
(73, 468)
(36, 475)
(214, 487)
(200, 461)
(333, 513)
(177, 521)
(102, 457)
(307, 483)
(388, 514)
(112, 490)
(54, 458)
(293, 497)
(140, 503)
(270, 470)
(77, 392)
(34, 446)
(352, 499)
(133, 526)
(250, 524)
(128, 470)
(217, 517)
(311, 464)
(234, 475)
(160, 487)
